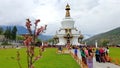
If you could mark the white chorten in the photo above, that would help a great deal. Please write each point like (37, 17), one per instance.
(68, 34)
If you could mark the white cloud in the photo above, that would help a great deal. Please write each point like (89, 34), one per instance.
(104, 17)
(91, 16)
(14, 11)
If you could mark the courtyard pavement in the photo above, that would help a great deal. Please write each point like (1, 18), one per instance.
(100, 65)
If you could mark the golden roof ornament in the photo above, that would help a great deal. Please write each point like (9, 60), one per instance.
(67, 11)
(81, 36)
(55, 37)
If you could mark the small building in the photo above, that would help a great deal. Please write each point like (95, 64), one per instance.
(2, 37)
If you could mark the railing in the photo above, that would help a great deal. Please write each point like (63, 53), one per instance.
(78, 60)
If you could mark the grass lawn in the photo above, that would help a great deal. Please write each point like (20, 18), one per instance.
(50, 59)
(115, 53)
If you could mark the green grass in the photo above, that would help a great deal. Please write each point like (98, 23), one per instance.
(50, 59)
(115, 55)
(115, 52)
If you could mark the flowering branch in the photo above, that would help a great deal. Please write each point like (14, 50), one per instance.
(29, 42)
(28, 25)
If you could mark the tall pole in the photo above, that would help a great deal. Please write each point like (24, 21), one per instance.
(96, 44)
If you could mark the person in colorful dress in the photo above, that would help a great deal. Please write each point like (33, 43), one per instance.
(89, 58)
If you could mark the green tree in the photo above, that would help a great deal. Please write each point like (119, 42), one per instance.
(51, 41)
(18, 37)
(1, 30)
(104, 42)
(14, 33)
(7, 33)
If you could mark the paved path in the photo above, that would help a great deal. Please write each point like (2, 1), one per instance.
(100, 65)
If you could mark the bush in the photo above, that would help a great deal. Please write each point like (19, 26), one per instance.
(5, 43)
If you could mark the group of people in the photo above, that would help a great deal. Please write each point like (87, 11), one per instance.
(87, 54)
(102, 54)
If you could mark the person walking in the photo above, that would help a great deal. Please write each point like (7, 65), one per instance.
(89, 58)
(75, 51)
(97, 55)
(83, 55)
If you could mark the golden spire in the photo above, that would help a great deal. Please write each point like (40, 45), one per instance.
(67, 11)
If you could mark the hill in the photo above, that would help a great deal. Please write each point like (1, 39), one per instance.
(113, 36)
(23, 30)
(45, 37)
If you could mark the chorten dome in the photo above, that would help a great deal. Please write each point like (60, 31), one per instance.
(67, 22)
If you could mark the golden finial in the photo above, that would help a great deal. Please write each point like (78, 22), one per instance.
(67, 11)
(67, 7)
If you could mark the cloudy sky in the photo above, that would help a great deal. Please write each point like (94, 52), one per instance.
(91, 16)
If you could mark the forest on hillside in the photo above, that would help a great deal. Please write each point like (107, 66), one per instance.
(113, 37)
